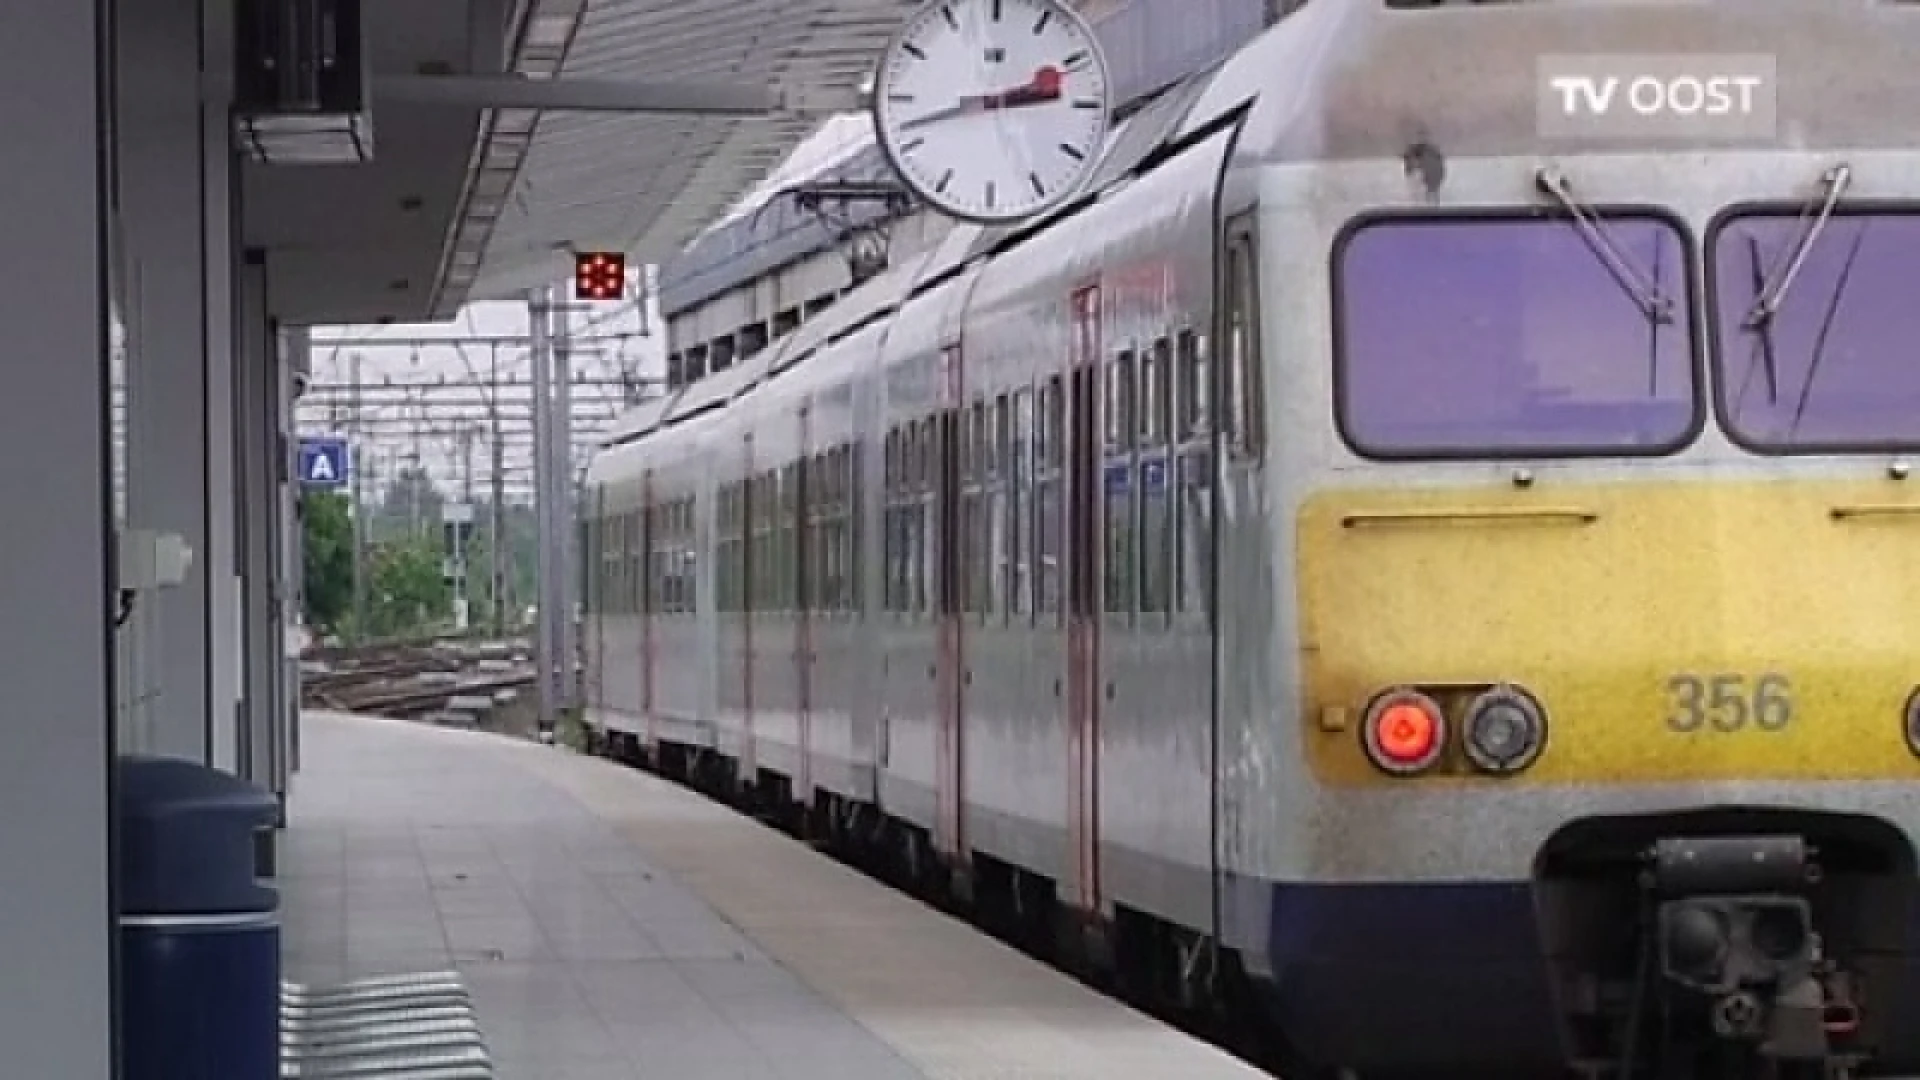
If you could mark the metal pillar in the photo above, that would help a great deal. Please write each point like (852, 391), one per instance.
(355, 469)
(546, 642)
(59, 588)
(560, 484)
(222, 557)
(256, 408)
(497, 530)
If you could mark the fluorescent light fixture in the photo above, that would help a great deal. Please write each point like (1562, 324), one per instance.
(307, 138)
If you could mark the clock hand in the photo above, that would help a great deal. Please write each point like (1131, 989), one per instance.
(1042, 88)
(966, 105)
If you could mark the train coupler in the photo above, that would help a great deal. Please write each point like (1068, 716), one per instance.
(1735, 932)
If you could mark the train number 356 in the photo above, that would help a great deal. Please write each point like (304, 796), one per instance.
(1729, 703)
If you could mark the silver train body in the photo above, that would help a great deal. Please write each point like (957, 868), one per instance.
(930, 554)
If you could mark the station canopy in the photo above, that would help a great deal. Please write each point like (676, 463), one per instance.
(460, 201)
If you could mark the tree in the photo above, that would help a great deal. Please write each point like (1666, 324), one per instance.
(407, 592)
(327, 573)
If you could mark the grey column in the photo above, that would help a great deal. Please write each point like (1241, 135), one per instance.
(162, 209)
(221, 559)
(256, 393)
(56, 1005)
(297, 372)
(287, 349)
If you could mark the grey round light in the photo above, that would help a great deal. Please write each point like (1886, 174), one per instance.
(1504, 730)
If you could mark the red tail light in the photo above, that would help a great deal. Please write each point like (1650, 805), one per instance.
(1404, 732)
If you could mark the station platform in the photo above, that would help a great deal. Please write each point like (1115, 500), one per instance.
(612, 925)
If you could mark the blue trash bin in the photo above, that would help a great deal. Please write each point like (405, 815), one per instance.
(199, 934)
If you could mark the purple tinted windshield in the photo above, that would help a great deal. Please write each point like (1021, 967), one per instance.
(1840, 376)
(1503, 337)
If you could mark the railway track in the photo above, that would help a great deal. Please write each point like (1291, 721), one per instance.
(461, 678)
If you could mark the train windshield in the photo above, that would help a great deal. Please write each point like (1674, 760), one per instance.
(1830, 370)
(1504, 337)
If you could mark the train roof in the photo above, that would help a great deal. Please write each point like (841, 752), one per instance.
(1351, 79)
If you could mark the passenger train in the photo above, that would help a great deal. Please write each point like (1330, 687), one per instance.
(1457, 580)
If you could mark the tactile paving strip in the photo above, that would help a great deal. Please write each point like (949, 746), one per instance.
(394, 1027)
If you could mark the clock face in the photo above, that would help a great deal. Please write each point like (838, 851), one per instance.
(993, 110)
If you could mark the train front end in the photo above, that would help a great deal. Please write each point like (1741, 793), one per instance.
(1664, 728)
(1602, 598)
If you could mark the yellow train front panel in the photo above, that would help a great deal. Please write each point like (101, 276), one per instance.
(1674, 630)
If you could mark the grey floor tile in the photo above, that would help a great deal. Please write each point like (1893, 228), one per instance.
(583, 961)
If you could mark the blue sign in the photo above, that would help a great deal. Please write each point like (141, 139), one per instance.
(324, 462)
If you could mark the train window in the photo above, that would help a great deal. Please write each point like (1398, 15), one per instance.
(1194, 388)
(992, 566)
(1156, 391)
(816, 542)
(1119, 566)
(782, 530)
(1046, 558)
(972, 552)
(931, 458)
(1242, 421)
(640, 564)
(1195, 533)
(1156, 538)
(774, 522)
(855, 517)
(722, 518)
(615, 558)
(920, 602)
(1508, 337)
(1053, 423)
(889, 558)
(608, 591)
(1867, 394)
(895, 540)
(1019, 478)
(668, 557)
(846, 538)
(1001, 445)
(979, 447)
(1122, 402)
(658, 557)
(649, 541)
(633, 587)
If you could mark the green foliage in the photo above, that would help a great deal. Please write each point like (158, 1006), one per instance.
(406, 592)
(328, 573)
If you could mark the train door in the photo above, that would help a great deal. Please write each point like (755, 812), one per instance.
(950, 591)
(1083, 553)
(644, 603)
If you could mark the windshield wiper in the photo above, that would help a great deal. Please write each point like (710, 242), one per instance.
(1763, 357)
(1654, 304)
(1826, 329)
(1653, 331)
(1767, 303)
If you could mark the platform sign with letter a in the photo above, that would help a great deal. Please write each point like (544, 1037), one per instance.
(324, 461)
